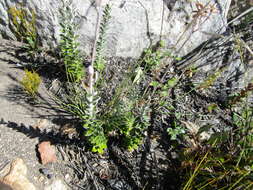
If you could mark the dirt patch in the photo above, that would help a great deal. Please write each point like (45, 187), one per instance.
(18, 133)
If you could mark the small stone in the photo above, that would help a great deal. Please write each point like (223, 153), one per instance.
(69, 129)
(41, 179)
(41, 124)
(47, 152)
(47, 172)
(56, 185)
(16, 177)
(67, 177)
(55, 86)
(50, 176)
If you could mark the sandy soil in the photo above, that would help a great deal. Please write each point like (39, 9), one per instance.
(17, 116)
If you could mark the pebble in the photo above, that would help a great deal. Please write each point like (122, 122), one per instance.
(47, 172)
(41, 179)
(56, 185)
(67, 177)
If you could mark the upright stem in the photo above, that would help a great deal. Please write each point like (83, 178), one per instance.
(91, 91)
(91, 71)
(98, 8)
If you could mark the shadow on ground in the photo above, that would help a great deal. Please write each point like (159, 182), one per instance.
(116, 169)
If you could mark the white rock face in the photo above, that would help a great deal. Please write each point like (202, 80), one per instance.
(135, 24)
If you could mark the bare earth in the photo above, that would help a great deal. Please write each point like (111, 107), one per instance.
(17, 116)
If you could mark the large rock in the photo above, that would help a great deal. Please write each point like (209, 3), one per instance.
(226, 58)
(134, 24)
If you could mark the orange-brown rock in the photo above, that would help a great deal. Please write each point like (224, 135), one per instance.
(47, 152)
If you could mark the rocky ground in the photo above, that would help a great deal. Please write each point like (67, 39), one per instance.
(26, 129)
(22, 124)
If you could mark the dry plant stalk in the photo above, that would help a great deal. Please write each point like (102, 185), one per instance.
(203, 11)
(242, 94)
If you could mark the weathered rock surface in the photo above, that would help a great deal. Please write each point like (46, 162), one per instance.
(221, 55)
(16, 178)
(134, 24)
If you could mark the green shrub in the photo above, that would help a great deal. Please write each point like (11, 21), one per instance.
(31, 82)
(127, 112)
(70, 53)
(80, 98)
(99, 62)
(23, 24)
